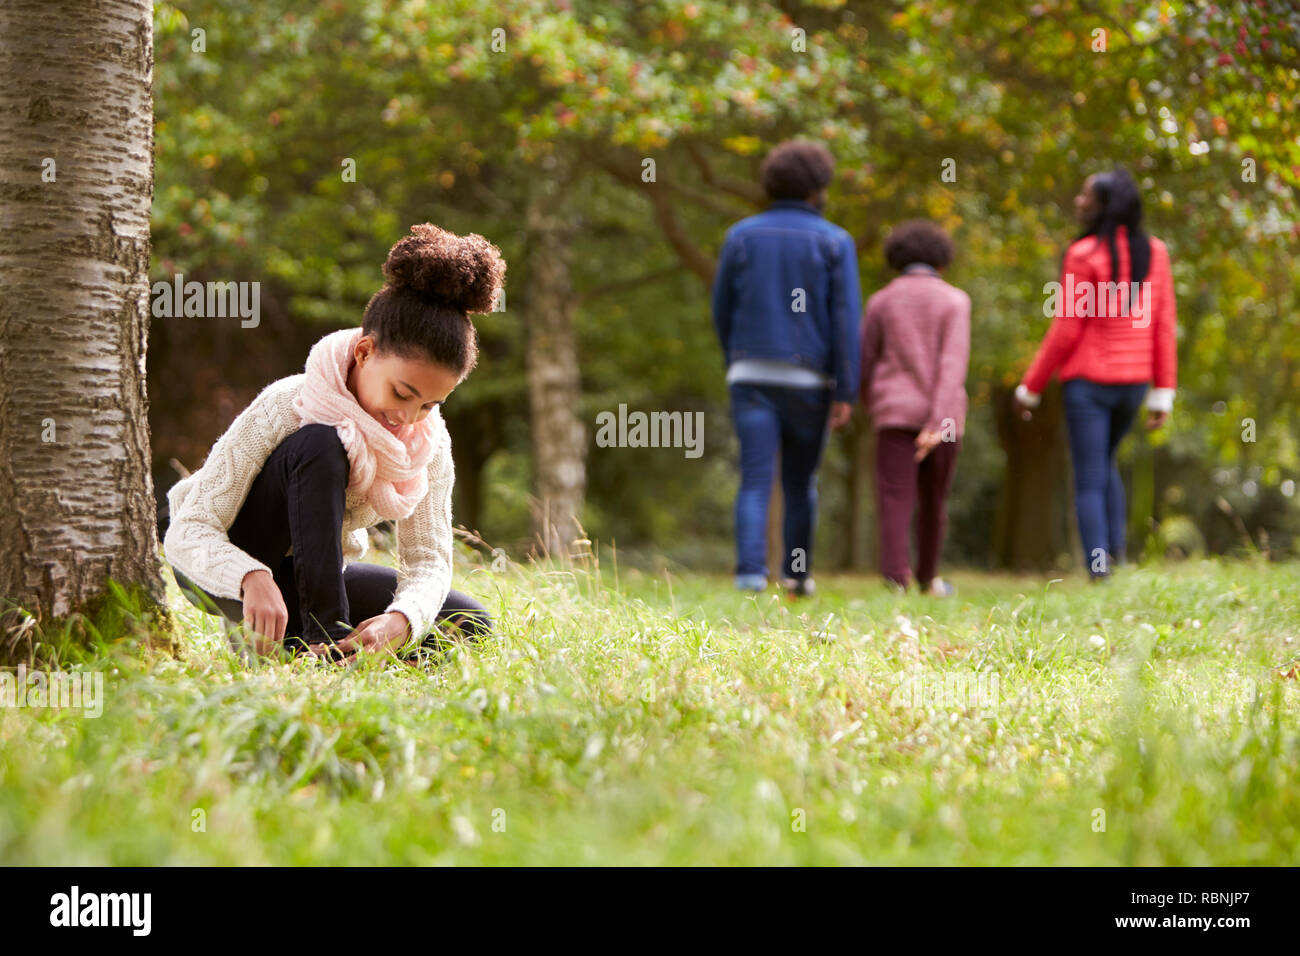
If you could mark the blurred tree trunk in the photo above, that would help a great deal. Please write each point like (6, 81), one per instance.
(77, 147)
(1033, 529)
(559, 440)
(859, 540)
(1142, 490)
(475, 435)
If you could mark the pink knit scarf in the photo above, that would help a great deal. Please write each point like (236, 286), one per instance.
(387, 470)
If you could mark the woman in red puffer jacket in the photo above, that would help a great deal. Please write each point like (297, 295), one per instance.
(1113, 335)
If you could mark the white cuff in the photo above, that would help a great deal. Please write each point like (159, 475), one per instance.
(1160, 400)
(1027, 398)
(420, 628)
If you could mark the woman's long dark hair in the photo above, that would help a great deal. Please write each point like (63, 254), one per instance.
(1119, 204)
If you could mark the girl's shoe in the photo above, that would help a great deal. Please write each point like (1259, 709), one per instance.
(938, 587)
(751, 582)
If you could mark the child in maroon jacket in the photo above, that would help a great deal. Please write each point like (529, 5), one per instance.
(915, 350)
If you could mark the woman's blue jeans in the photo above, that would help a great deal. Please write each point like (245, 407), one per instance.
(791, 422)
(1098, 416)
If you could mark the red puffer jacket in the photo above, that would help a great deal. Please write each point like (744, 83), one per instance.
(1107, 332)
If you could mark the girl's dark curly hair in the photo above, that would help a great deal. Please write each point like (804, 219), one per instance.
(918, 240)
(436, 279)
(796, 169)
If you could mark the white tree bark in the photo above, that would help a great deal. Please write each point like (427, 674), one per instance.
(76, 187)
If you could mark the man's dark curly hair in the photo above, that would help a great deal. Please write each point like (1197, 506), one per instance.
(796, 169)
(436, 279)
(918, 240)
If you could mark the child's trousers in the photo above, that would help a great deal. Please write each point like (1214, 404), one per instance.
(297, 500)
(905, 487)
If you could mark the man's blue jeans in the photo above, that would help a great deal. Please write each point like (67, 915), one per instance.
(1098, 416)
(791, 422)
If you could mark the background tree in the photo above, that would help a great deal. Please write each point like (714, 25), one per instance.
(467, 116)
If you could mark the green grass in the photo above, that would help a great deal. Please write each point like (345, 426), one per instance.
(645, 719)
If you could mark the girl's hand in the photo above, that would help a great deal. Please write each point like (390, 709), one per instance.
(926, 442)
(264, 611)
(1156, 419)
(384, 632)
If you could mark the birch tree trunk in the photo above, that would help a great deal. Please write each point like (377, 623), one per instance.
(554, 383)
(76, 188)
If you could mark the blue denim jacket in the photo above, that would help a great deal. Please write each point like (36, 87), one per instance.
(766, 259)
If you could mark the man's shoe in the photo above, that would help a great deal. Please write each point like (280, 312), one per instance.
(751, 582)
(796, 588)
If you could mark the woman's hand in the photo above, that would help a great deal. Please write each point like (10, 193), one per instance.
(841, 413)
(264, 611)
(1156, 419)
(384, 632)
(1025, 402)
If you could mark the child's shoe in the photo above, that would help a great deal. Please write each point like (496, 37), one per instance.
(938, 587)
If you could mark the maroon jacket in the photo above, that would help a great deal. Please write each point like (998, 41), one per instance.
(915, 350)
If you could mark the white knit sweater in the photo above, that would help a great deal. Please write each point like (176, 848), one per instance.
(204, 506)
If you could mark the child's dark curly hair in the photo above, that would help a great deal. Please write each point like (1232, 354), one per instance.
(918, 240)
(796, 169)
(436, 279)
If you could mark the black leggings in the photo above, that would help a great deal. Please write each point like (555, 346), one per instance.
(298, 500)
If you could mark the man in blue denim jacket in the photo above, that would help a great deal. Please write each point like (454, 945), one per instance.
(787, 305)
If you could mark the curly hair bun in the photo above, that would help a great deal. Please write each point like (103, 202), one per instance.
(458, 272)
